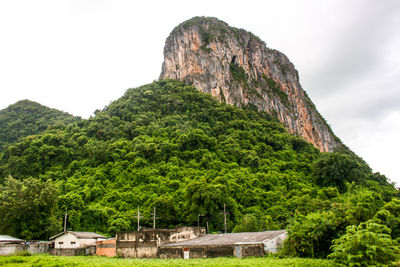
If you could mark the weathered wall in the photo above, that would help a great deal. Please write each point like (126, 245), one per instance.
(140, 251)
(67, 252)
(183, 233)
(170, 253)
(273, 245)
(141, 244)
(249, 250)
(8, 249)
(196, 252)
(144, 244)
(73, 251)
(236, 67)
(35, 248)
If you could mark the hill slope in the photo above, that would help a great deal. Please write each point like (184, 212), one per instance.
(236, 67)
(169, 146)
(27, 118)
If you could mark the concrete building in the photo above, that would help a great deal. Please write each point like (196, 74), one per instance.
(106, 247)
(219, 245)
(70, 243)
(145, 243)
(10, 245)
(70, 239)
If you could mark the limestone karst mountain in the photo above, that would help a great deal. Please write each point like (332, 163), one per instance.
(238, 68)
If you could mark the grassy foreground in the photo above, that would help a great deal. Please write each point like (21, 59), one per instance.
(53, 261)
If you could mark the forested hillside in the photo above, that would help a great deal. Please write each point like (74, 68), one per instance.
(27, 118)
(169, 146)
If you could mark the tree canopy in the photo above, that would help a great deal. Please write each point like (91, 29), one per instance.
(169, 146)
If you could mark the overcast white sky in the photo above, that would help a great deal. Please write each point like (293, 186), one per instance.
(78, 56)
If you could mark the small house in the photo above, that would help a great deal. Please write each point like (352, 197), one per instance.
(71, 243)
(70, 239)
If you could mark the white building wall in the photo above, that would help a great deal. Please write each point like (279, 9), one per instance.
(8, 249)
(71, 241)
(67, 240)
(273, 245)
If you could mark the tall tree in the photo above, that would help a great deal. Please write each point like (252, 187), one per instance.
(27, 208)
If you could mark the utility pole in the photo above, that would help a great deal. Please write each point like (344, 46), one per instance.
(154, 217)
(225, 213)
(65, 219)
(225, 218)
(138, 218)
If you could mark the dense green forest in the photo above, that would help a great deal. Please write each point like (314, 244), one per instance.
(27, 118)
(169, 146)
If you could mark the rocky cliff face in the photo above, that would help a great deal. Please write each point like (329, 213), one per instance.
(236, 67)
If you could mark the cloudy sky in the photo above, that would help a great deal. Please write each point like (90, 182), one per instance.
(79, 55)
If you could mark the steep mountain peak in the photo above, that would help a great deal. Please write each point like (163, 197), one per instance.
(237, 67)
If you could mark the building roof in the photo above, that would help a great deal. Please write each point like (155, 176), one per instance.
(229, 239)
(85, 235)
(111, 239)
(10, 239)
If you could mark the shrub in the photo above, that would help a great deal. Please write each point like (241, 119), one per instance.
(23, 253)
(368, 244)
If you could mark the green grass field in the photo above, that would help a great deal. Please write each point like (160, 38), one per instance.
(53, 261)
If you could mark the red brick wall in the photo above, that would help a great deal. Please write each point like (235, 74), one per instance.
(106, 248)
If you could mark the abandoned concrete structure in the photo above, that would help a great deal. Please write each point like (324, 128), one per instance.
(219, 245)
(145, 243)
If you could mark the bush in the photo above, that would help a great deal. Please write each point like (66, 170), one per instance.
(311, 235)
(368, 244)
(23, 253)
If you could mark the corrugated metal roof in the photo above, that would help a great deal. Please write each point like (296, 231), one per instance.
(81, 235)
(107, 240)
(7, 238)
(229, 239)
(87, 235)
